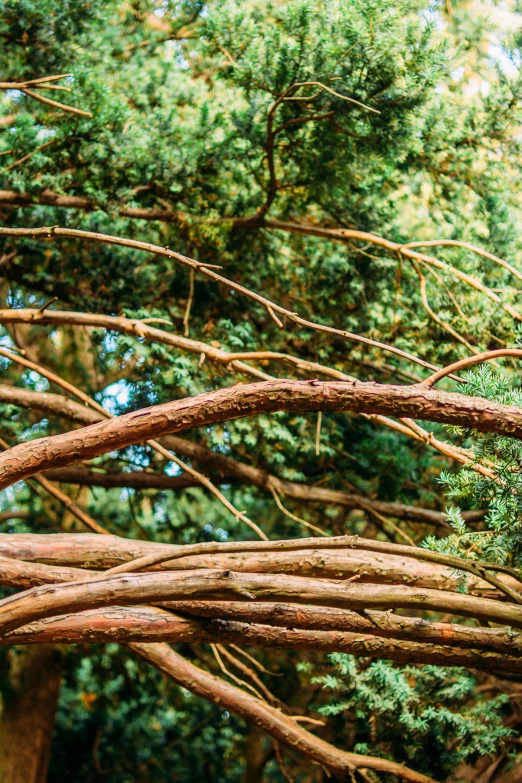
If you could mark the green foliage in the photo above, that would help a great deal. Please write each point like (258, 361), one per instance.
(182, 95)
(501, 540)
(108, 720)
(429, 717)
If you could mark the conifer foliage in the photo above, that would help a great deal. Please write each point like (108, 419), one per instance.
(260, 408)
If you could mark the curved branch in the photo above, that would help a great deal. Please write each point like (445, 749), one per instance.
(240, 401)
(153, 624)
(468, 246)
(310, 562)
(253, 476)
(469, 361)
(228, 468)
(48, 232)
(269, 719)
(131, 589)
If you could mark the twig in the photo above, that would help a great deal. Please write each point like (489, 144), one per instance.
(337, 95)
(388, 522)
(189, 304)
(55, 104)
(436, 318)
(27, 157)
(47, 304)
(224, 669)
(469, 361)
(255, 662)
(293, 516)
(318, 433)
(50, 231)
(246, 670)
(64, 499)
(280, 764)
(467, 246)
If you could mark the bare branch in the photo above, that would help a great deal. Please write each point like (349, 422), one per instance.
(240, 401)
(52, 231)
(469, 361)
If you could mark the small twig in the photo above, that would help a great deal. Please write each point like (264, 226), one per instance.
(469, 361)
(255, 662)
(439, 321)
(64, 499)
(293, 516)
(46, 305)
(388, 522)
(280, 764)
(467, 246)
(31, 82)
(318, 433)
(306, 719)
(55, 104)
(337, 95)
(224, 669)
(154, 321)
(247, 671)
(274, 316)
(27, 157)
(186, 317)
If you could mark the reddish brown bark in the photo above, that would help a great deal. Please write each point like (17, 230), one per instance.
(28, 712)
(154, 624)
(229, 469)
(136, 588)
(332, 564)
(269, 719)
(240, 401)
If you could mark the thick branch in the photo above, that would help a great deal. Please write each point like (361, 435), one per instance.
(382, 624)
(228, 468)
(267, 718)
(150, 624)
(132, 589)
(240, 401)
(86, 550)
(321, 563)
(232, 470)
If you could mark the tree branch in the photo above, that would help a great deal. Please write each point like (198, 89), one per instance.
(240, 401)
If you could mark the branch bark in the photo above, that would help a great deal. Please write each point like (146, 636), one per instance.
(212, 584)
(240, 401)
(154, 624)
(228, 468)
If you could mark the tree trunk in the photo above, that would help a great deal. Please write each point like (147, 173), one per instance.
(28, 713)
(257, 754)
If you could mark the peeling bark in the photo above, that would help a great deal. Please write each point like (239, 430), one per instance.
(243, 400)
(154, 624)
(137, 588)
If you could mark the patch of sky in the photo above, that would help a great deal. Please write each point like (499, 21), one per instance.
(115, 396)
(36, 430)
(40, 384)
(173, 470)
